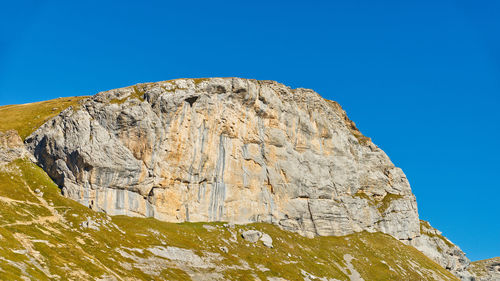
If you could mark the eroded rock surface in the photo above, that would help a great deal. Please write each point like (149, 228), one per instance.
(251, 236)
(12, 147)
(267, 240)
(433, 244)
(226, 149)
(486, 270)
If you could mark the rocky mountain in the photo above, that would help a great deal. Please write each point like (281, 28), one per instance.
(238, 151)
(45, 236)
(486, 270)
(226, 150)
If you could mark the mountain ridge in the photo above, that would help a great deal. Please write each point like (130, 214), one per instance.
(267, 101)
(137, 132)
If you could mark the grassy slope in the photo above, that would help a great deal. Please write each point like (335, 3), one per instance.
(42, 237)
(480, 268)
(26, 118)
(42, 234)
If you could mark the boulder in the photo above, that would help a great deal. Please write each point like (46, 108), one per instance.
(251, 236)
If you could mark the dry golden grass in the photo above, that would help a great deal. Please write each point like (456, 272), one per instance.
(26, 118)
(67, 248)
(48, 225)
(480, 268)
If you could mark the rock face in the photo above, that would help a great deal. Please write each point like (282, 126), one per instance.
(486, 270)
(226, 149)
(11, 147)
(437, 247)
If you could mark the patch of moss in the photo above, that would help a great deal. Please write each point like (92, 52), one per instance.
(363, 195)
(199, 80)
(363, 140)
(382, 205)
(386, 201)
(138, 93)
(118, 101)
(425, 227)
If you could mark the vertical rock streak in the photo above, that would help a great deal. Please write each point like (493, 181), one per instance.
(236, 150)
(226, 149)
(218, 193)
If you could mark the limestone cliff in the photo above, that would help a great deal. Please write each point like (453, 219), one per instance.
(433, 244)
(44, 236)
(226, 149)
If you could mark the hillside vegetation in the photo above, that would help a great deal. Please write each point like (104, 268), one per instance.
(26, 118)
(486, 270)
(45, 236)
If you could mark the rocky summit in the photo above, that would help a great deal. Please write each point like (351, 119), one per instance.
(231, 150)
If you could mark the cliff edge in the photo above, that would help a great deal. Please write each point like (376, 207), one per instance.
(229, 149)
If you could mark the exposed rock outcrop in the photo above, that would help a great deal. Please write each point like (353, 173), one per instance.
(253, 236)
(433, 244)
(228, 149)
(486, 270)
(12, 147)
(267, 240)
(48, 237)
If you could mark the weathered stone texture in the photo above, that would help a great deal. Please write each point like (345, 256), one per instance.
(433, 244)
(486, 270)
(226, 149)
(12, 147)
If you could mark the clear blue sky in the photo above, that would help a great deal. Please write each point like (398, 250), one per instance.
(422, 78)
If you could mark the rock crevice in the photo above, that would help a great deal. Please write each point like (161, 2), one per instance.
(230, 149)
(192, 150)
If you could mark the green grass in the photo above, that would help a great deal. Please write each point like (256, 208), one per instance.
(75, 253)
(138, 93)
(26, 118)
(199, 80)
(361, 194)
(363, 140)
(140, 89)
(382, 205)
(35, 247)
(425, 227)
(481, 268)
(386, 201)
